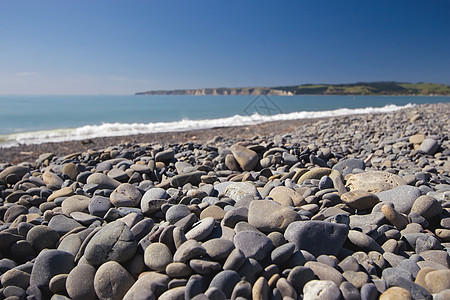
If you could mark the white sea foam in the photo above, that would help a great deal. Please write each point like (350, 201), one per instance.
(119, 129)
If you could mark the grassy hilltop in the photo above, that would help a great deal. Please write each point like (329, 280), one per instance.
(359, 88)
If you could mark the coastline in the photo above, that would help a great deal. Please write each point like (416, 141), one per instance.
(365, 192)
(30, 152)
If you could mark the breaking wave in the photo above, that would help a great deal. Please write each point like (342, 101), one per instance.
(122, 129)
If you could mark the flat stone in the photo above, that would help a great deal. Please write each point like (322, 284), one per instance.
(268, 216)
(147, 286)
(201, 230)
(281, 254)
(325, 272)
(374, 181)
(245, 157)
(63, 224)
(165, 156)
(71, 170)
(103, 181)
(125, 195)
(417, 138)
(218, 249)
(315, 173)
(114, 241)
(416, 291)
(347, 166)
(112, 281)
(360, 199)
(439, 256)
(176, 213)
(363, 242)
(261, 289)
(52, 180)
(299, 276)
(239, 190)
(235, 260)
(357, 279)
(253, 244)
(286, 196)
(317, 237)
(75, 203)
(350, 292)
(189, 250)
(178, 269)
(19, 171)
(325, 288)
(176, 293)
(80, 282)
(213, 211)
(15, 277)
(99, 206)
(48, 264)
(402, 197)
(204, 267)
(429, 146)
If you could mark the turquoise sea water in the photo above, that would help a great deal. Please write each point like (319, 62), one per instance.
(35, 119)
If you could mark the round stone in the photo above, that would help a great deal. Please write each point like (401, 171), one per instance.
(112, 281)
(225, 281)
(201, 230)
(429, 146)
(286, 196)
(396, 292)
(188, 250)
(157, 256)
(41, 237)
(325, 288)
(437, 281)
(75, 203)
(126, 195)
(176, 213)
(218, 249)
(15, 277)
(115, 242)
(80, 282)
(63, 224)
(253, 244)
(427, 207)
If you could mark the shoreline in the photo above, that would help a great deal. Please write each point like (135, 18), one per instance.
(352, 205)
(30, 152)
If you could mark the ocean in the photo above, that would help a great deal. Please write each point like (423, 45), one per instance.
(38, 119)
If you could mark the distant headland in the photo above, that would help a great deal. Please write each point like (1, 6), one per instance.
(359, 88)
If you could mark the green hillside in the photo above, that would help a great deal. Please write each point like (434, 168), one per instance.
(368, 88)
(359, 88)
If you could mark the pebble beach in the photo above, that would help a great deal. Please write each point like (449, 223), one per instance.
(351, 207)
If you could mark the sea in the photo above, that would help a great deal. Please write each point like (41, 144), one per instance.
(38, 119)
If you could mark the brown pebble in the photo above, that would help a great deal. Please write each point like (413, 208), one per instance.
(395, 293)
(396, 219)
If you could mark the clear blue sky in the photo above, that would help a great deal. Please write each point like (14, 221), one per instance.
(122, 47)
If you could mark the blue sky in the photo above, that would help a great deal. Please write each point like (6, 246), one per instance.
(123, 47)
